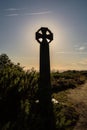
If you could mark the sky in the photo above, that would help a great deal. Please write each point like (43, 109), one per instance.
(67, 20)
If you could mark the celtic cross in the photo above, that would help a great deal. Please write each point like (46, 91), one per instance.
(44, 36)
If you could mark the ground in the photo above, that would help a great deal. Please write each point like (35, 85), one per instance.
(78, 97)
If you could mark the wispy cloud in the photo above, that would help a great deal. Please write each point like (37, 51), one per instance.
(14, 9)
(77, 65)
(80, 48)
(63, 52)
(34, 13)
(11, 15)
(28, 14)
(83, 62)
(72, 52)
(39, 13)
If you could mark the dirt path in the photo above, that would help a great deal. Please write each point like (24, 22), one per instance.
(78, 97)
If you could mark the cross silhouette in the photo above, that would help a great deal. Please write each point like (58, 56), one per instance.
(44, 35)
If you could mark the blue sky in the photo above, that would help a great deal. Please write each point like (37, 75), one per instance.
(67, 19)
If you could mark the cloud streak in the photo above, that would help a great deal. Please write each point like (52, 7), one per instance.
(80, 48)
(14, 9)
(29, 14)
(39, 13)
(67, 52)
(12, 15)
(83, 62)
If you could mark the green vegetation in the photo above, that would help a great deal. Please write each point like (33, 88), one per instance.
(66, 117)
(19, 91)
(66, 80)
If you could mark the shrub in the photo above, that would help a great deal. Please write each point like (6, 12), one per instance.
(66, 117)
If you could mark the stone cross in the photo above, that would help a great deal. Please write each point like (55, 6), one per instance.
(44, 36)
